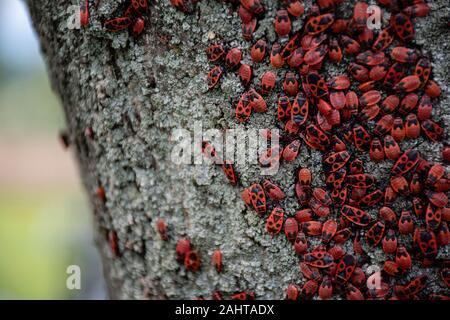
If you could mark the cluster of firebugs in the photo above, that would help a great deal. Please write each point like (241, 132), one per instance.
(388, 85)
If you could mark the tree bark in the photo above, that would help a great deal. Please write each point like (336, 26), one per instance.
(133, 93)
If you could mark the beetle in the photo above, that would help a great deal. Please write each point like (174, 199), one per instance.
(138, 27)
(273, 191)
(183, 246)
(345, 268)
(391, 268)
(275, 221)
(243, 296)
(423, 70)
(402, 26)
(408, 84)
(355, 215)
(412, 126)
(335, 51)
(336, 179)
(371, 199)
(326, 288)
(405, 223)
(229, 171)
(339, 196)
(291, 229)
(300, 109)
(233, 58)
(215, 52)
(245, 14)
(402, 258)
(284, 107)
(404, 55)
(424, 108)
(432, 130)
(432, 89)
(312, 228)
(406, 162)
(185, 6)
(340, 82)
(118, 24)
(303, 193)
(361, 180)
(300, 244)
(395, 73)
(290, 84)
(243, 108)
(413, 287)
(342, 235)
(293, 43)
(408, 103)
(391, 148)
(245, 74)
(370, 58)
(335, 161)
(329, 229)
(375, 234)
(214, 76)
(291, 151)
(192, 260)
(257, 102)
(309, 289)
(398, 129)
(319, 24)
(113, 240)
(384, 125)
(400, 185)
(389, 242)
(248, 28)
(318, 259)
(161, 226)
(316, 55)
(84, 13)
(358, 72)
(296, 59)
(295, 8)
(390, 104)
(360, 14)
(383, 40)
(338, 100)
(257, 198)
(258, 50)
(268, 81)
(426, 241)
(376, 150)
(316, 84)
(276, 60)
(350, 46)
(254, 6)
(292, 292)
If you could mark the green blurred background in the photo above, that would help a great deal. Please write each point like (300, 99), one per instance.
(45, 221)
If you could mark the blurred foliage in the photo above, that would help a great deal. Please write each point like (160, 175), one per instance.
(45, 229)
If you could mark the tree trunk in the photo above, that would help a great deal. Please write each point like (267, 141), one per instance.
(133, 93)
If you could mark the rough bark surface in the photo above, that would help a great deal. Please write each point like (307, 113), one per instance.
(133, 93)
